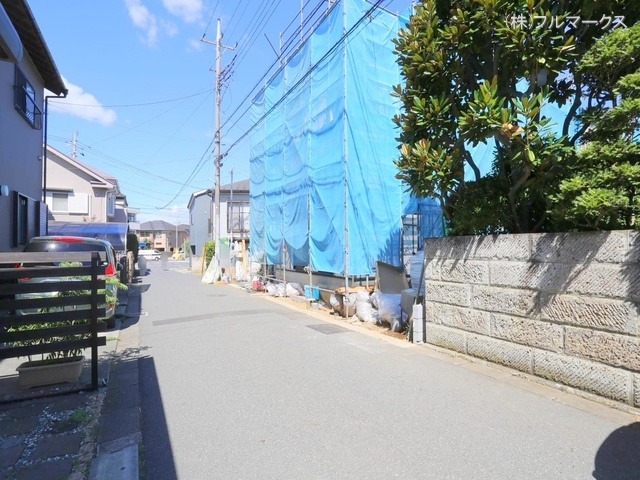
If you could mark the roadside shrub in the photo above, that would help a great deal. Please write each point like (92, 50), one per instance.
(133, 245)
(209, 251)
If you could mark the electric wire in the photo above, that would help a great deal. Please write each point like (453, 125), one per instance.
(62, 102)
(304, 77)
(259, 82)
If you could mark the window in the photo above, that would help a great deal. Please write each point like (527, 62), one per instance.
(60, 202)
(238, 217)
(68, 202)
(111, 204)
(25, 100)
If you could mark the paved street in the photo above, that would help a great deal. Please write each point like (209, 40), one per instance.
(236, 386)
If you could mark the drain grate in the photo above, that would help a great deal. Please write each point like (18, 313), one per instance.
(328, 328)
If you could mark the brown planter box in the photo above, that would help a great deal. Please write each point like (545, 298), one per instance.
(39, 373)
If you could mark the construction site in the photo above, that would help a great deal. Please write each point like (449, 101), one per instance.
(326, 206)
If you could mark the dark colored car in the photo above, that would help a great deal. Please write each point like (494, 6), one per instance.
(80, 244)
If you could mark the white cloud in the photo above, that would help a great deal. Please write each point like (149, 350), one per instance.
(84, 105)
(189, 11)
(195, 45)
(143, 19)
(169, 28)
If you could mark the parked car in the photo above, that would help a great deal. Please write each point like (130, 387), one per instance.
(150, 254)
(81, 244)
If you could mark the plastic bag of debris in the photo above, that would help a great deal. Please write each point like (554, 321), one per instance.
(337, 301)
(364, 308)
(389, 305)
(294, 289)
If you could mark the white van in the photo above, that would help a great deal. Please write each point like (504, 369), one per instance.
(149, 254)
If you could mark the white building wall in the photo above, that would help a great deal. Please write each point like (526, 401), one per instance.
(20, 147)
(87, 202)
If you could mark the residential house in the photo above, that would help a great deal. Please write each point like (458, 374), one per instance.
(26, 70)
(132, 219)
(84, 201)
(77, 192)
(234, 214)
(163, 236)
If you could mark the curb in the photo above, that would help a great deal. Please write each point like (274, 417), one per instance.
(119, 430)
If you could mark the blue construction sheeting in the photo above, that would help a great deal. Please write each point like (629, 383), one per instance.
(323, 188)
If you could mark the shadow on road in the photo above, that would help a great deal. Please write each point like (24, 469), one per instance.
(618, 457)
(158, 461)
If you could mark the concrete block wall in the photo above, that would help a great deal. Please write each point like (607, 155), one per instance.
(562, 306)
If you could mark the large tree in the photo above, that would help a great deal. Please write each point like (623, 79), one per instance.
(476, 70)
(602, 185)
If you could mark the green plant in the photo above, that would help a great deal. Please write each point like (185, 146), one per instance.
(133, 245)
(472, 73)
(602, 186)
(209, 251)
(110, 298)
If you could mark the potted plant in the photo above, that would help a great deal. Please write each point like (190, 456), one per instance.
(64, 365)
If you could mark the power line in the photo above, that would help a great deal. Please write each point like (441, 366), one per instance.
(259, 82)
(304, 77)
(61, 102)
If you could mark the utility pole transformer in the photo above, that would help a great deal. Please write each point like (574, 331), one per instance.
(217, 155)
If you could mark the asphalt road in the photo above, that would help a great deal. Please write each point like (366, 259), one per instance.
(236, 386)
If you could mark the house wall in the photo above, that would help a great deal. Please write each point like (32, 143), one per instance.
(160, 242)
(224, 207)
(202, 210)
(564, 307)
(62, 179)
(200, 214)
(20, 147)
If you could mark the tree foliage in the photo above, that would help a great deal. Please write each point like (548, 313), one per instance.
(133, 244)
(601, 187)
(477, 70)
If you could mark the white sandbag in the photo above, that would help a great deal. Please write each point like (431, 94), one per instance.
(255, 267)
(271, 290)
(280, 290)
(363, 296)
(212, 273)
(294, 289)
(373, 298)
(388, 305)
(364, 310)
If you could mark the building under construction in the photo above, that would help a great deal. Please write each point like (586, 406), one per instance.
(323, 189)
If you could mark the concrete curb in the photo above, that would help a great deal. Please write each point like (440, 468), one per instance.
(119, 430)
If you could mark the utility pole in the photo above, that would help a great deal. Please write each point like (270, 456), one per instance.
(230, 221)
(74, 145)
(217, 156)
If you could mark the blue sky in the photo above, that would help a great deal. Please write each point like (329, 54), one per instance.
(141, 88)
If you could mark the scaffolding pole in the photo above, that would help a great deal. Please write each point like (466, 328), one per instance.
(344, 159)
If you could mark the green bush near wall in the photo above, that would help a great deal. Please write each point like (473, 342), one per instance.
(133, 245)
(209, 251)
